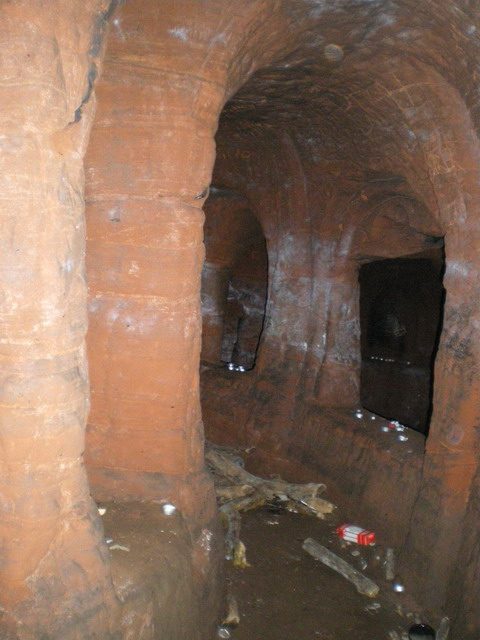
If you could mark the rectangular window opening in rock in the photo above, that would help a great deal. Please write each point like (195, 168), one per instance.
(401, 313)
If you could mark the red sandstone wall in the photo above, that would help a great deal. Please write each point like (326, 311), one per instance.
(321, 218)
(55, 578)
(54, 574)
(166, 75)
(148, 172)
(398, 100)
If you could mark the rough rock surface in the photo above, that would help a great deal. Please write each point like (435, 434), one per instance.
(351, 130)
(361, 144)
(54, 573)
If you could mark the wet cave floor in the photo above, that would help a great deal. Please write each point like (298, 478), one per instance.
(287, 595)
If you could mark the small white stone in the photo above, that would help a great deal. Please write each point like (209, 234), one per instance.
(168, 509)
(402, 438)
(102, 511)
(398, 587)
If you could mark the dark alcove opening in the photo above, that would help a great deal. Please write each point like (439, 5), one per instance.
(234, 282)
(245, 307)
(401, 312)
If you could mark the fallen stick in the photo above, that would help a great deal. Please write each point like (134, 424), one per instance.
(271, 490)
(233, 492)
(238, 491)
(248, 503)
(363, 585)
(232, 522)
(443, 629)
(390, 564)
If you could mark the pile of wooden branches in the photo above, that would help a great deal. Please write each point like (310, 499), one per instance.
(238, 490)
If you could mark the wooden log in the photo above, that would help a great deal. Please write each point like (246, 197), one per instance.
(233, 492)
(443, 629)
(232, 522)
(272, 490)
(389, 564)
(255, 501)
(226, 467)
(363, 585)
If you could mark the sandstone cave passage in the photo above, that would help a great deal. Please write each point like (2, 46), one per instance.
(239, 317)
(401, 311)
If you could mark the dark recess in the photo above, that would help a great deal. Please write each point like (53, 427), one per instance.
(401, 312)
